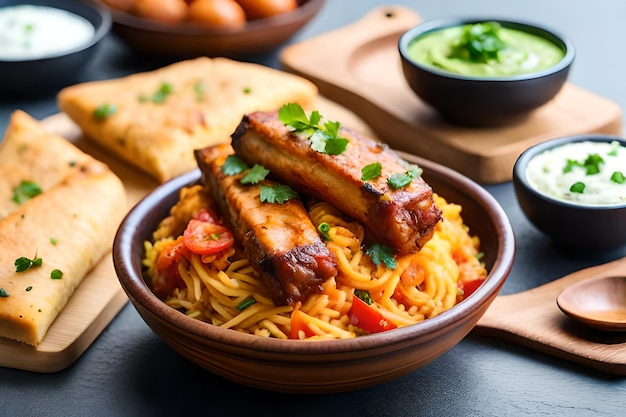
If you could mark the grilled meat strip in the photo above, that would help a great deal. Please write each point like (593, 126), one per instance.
(403, 218)
(279, 239)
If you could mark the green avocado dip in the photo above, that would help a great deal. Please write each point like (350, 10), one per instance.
(485, 49)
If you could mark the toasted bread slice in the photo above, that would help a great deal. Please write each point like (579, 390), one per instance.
(70, 225)
(160, 117)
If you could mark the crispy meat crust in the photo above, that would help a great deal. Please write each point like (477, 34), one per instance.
(403, 219)
(279, 239)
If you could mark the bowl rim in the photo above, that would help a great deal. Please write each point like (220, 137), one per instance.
(100, 30)
(306, 9)
(433, 25)
(519, 168)
(127, 266)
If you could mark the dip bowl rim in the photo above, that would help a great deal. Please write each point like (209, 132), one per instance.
(79, 8)
(545, 31)
(521, 164)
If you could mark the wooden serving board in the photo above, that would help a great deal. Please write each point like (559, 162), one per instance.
(533, 319)
(99, 298)
(358, 66)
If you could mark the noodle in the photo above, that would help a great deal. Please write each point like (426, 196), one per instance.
(226, 291)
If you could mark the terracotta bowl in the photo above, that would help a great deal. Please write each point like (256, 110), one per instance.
(484, 101)
(317, 366)
(570, 224)
(50, 72)
(187, 41)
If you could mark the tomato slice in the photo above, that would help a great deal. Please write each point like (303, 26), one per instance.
(204, 238)
(469, 287)
(299, 323)
(206, 216)
(368, 318)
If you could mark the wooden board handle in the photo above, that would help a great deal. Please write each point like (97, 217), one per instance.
(533, 319)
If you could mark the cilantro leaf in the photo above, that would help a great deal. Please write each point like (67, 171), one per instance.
(277, 193)
(234, 165)
(255, 175)
(577, 187)
(23, 263)
(382, 254)
(618, 177)
(104, 110)
(25, 191)
(371, 171)
(324, 139)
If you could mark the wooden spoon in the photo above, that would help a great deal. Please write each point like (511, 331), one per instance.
(598, 303)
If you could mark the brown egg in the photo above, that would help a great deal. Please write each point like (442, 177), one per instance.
(122, 5)
(259, 9)
(217, 13)
(164, 11)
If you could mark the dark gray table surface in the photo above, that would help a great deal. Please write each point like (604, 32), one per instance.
(129, 371)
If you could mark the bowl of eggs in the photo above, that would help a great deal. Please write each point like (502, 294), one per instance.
(484, 72)
(573, 189)
(191, 28)
(47, 44)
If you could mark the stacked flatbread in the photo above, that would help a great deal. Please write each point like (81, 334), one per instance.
(155, 120)
(69, 225)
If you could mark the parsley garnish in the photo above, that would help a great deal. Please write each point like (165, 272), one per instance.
(364, 296)
(324, 139)
(30, 287)
(3, 293)
(324, 228)
(371, 171)
(23, 263)
(480, 42)
(577, 187)
(591, 164)
(382, 254)
(25, 191)
(618, 177)
(56, 274)
(159, 96)
(234, 165)
(199, 88)
(397, 181)
(256, 174)
(104, 110)
(53, 240)
(277, 193)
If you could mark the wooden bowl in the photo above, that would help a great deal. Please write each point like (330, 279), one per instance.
(188, 41)
(318, 366)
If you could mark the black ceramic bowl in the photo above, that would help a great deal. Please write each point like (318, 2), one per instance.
(50, 72)
(570, 224)
(484, 101)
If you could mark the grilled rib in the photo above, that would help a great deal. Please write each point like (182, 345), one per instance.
(279, 239)
(403, 219)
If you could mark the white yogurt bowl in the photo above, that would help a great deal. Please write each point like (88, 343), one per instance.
(577, 208)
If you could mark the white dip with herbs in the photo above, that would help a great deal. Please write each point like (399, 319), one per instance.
(28, 31)
(588, 173)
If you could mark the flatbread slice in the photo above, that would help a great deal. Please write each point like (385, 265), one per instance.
(70, 226)
(155, 120)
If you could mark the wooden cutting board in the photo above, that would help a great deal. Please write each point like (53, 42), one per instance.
(358, 66)
(100, 297)
(533, 319)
